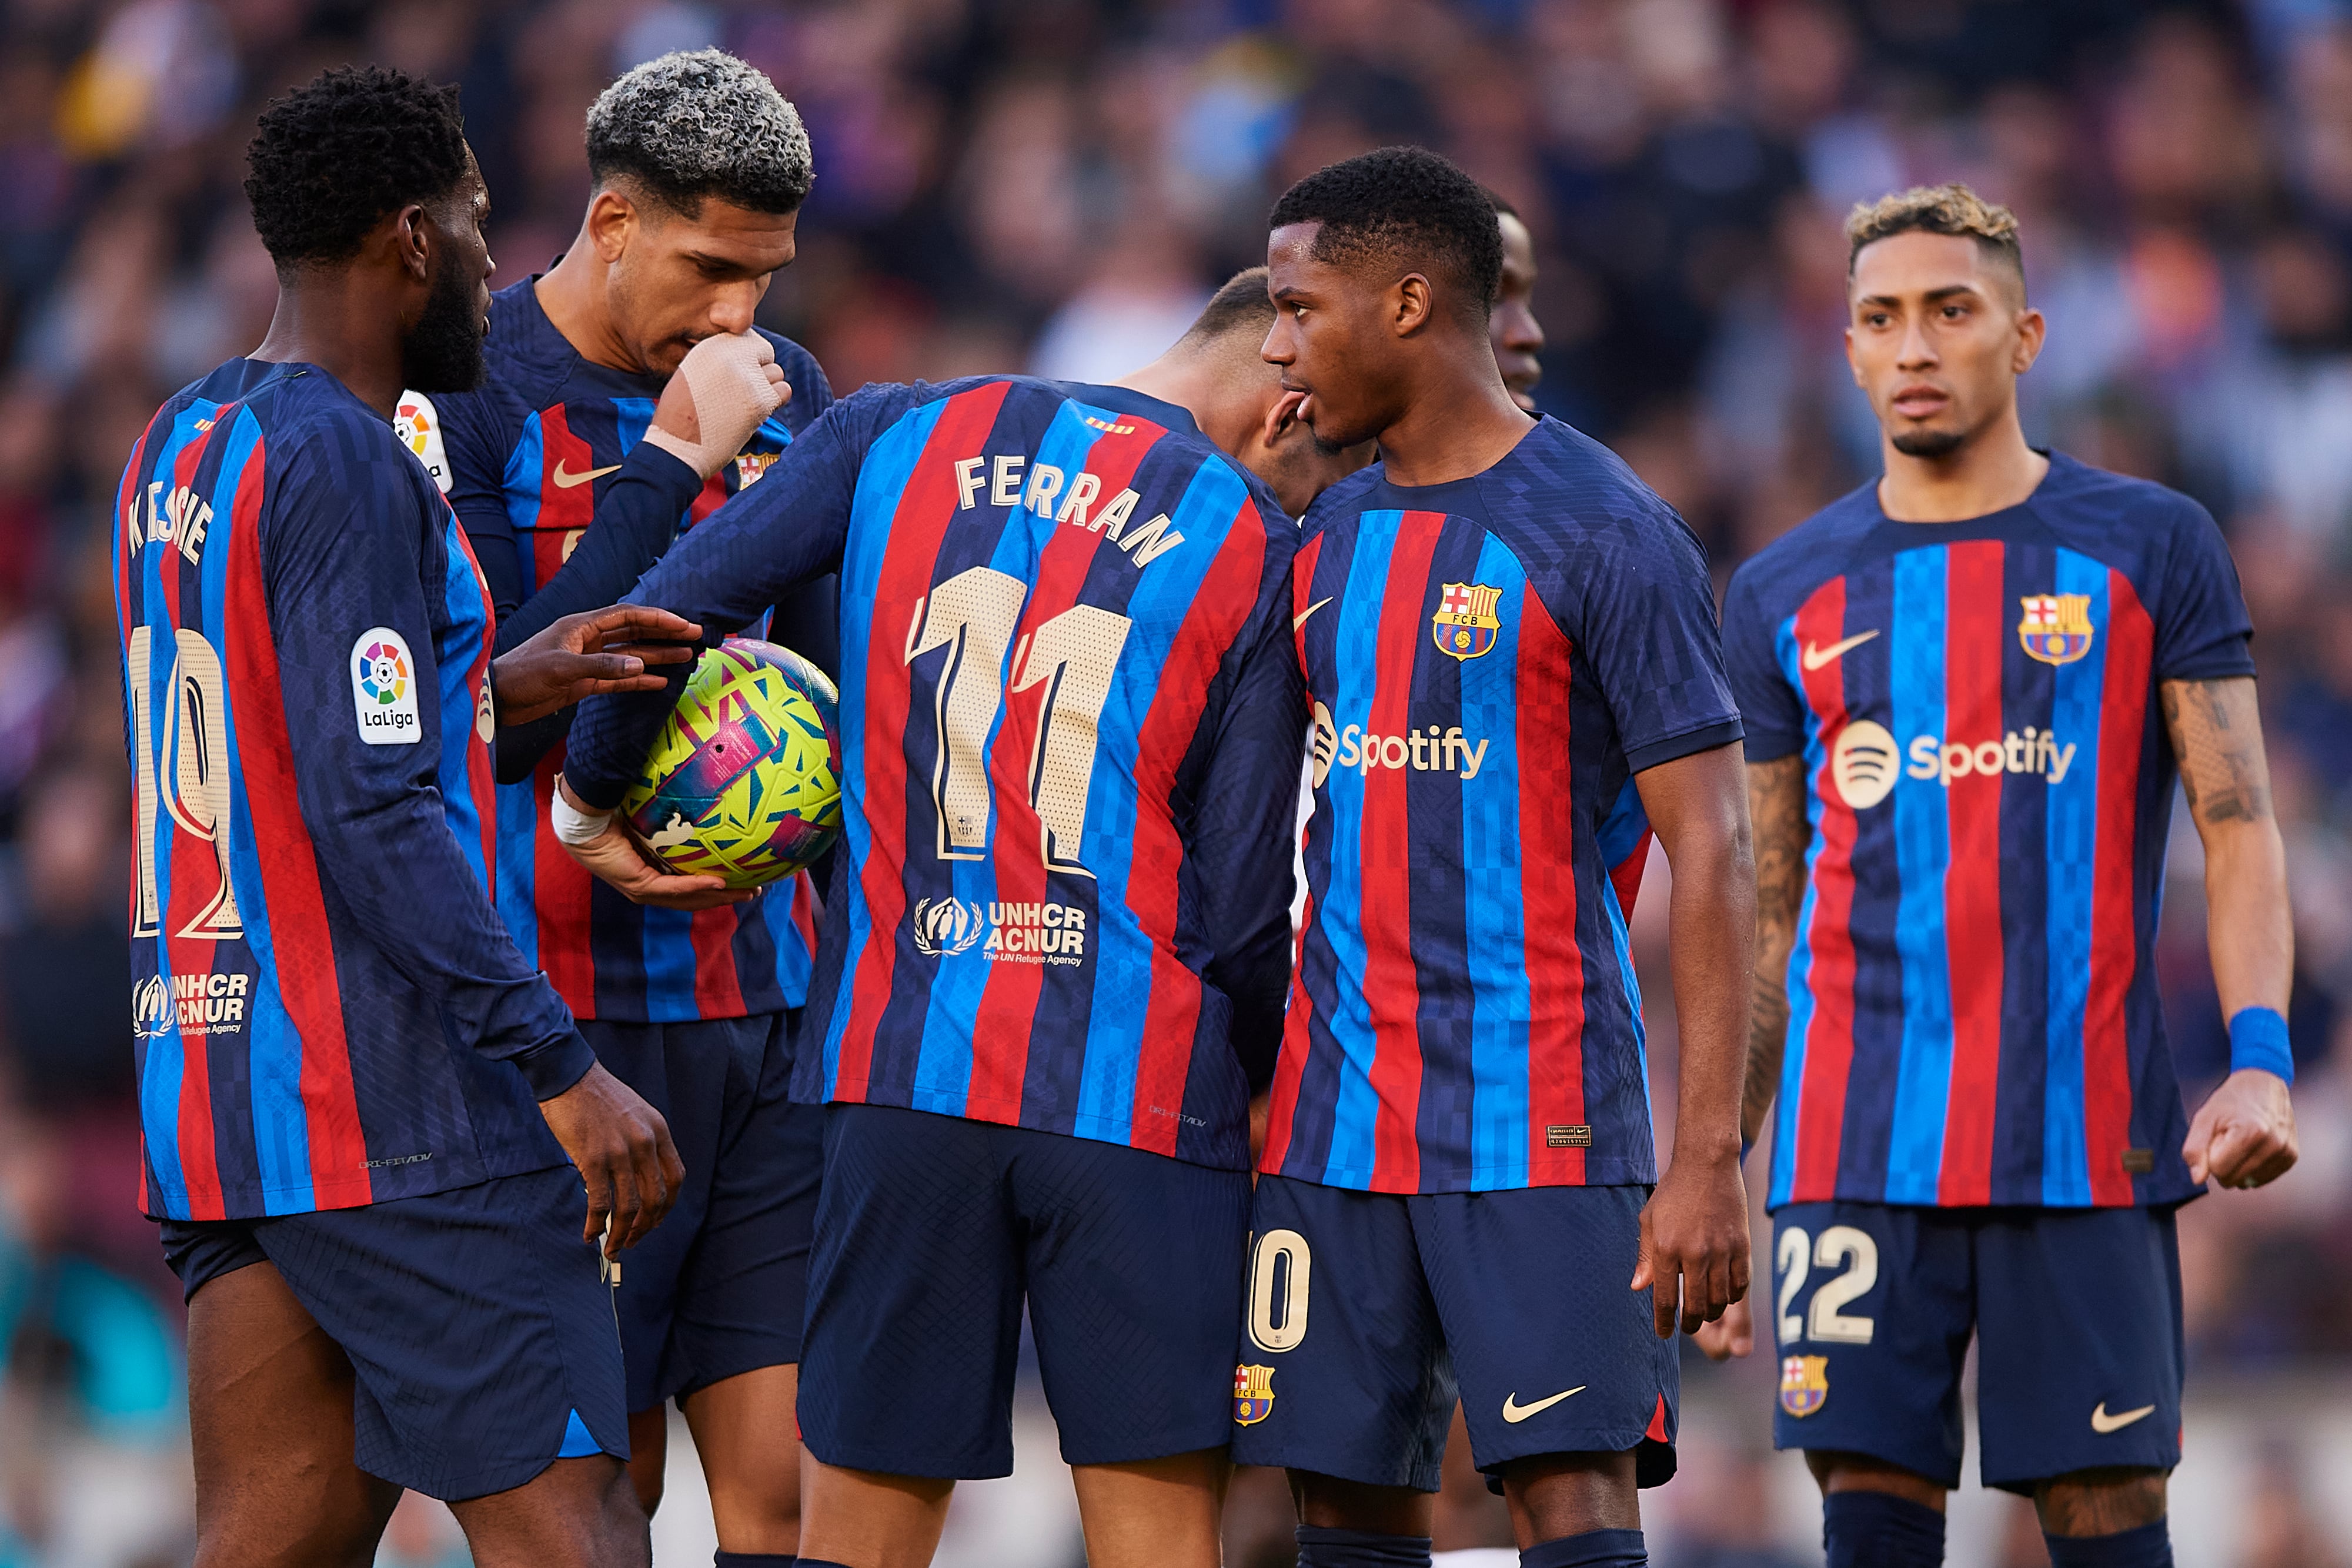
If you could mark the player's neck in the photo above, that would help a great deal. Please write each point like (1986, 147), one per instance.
(1202, 388)
(1461, 425)
(571, 292)
(338, 320)
(1990, 473)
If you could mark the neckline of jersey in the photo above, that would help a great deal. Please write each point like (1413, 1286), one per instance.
(2057, 478)
(1468, 482)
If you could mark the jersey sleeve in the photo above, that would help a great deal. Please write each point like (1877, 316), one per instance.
(342, 549)
(1243, 849)
(475, 447)
(784, 531)
(1637, 601)
(1769, 710)
(2203, 629)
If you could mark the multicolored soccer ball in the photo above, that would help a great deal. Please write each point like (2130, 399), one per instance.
(744, 782)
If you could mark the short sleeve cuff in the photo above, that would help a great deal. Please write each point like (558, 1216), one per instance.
(1639, 759)
(1771, 746)
(2226, 660)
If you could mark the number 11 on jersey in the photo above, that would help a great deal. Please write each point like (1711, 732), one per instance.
(1070, 661)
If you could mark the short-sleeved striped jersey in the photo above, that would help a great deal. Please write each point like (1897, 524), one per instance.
(328, 1012)
(528, 456)
(1490, 661)
(1973, 1013)
(1070, 728)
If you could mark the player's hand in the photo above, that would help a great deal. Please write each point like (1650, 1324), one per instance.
(622, 1149)
(1732, 1335)
(589, 655)
(616, 858)
(2244, 1135)
(726, 385)
(1694, 1243)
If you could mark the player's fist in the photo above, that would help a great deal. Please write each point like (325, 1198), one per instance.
(2244, 1134)
(622, 1149)
(727, 385)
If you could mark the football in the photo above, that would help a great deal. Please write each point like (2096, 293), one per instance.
(744, 782)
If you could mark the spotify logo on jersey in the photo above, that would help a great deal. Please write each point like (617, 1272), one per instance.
(1863, 764)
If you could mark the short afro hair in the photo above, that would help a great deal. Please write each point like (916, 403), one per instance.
(330, 161)
(1405, 203)
(699, 123)
(1951, 209)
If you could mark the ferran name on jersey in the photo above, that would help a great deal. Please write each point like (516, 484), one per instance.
(1805, 1384)
(1010, 480)
(2056, 627)
(1465, 623)
(1252, 1394)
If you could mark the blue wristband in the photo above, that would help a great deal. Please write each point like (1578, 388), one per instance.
(2258, 1039)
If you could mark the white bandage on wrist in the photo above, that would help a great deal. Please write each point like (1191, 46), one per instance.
(728, 377)
(571, 824)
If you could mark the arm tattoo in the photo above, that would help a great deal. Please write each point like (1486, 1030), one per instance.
(1776, 804)
(2216, 734)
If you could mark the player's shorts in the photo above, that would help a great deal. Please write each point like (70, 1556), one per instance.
(1368, 1312)
(930, 1229)
(716, 1290)
(478, 1327)
(2076, 1314)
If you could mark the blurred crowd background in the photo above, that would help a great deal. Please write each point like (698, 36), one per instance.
(1056, 186)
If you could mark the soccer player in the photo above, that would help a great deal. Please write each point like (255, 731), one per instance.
(358, 1098)
(1970, 688)
(699, 167)
(1517, 336)
(1070, 725)
(1499, 626)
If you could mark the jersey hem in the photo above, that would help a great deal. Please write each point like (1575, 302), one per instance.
(1598, 1172)
(356, 1190)
(2161, 1197)
(1092, 1129)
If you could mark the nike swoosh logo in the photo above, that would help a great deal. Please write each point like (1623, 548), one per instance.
(1299, 620)
(1816, 656)
(1515, 1412)
(2102, 1422)
(566, 480)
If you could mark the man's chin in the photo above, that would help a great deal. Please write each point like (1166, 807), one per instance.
(1928, 443)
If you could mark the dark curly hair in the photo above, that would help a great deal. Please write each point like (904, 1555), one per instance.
(699, 123)
(1406, 203)
(330, 160)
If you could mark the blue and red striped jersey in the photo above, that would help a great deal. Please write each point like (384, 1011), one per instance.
(1972, 1001)
(529, 457)
(1491, 662)
(1070, 725)
(327, 1011)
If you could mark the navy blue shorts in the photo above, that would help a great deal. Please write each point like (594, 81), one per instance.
(1368, 1312)
(931, 1229)
(478, 1327)
(716, 1289)
(2077, 1312)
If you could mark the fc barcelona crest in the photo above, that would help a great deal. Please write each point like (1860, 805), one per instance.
(1805, 1384)
(1252, 1394)
(2056, 629)
(750, 466)
(1465, 623)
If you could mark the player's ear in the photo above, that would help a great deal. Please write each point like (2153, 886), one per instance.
(411, 241)
(612, 218)
(1281, 415)
(2031, 329)
(1851, 363)
(1414, 300)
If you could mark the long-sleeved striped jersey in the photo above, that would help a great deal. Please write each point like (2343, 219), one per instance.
(328, 1011)
(1490, 661)
(1972, 1006)
(1070, 728)
(531, 457)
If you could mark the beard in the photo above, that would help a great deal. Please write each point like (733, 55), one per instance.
(443, 353)
(1929, 444)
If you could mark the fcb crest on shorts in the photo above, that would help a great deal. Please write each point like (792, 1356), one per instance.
(1252, 1394)
(1805, 1384)
(2056, 629)
(1466, 622)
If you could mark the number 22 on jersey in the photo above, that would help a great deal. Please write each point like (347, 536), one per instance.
(1068, 662)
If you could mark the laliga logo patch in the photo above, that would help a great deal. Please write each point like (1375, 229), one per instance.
(1252, 1394)
(1466, 622)
(1863, 764)
(947, 926)
(1805, 1384)
(418, 425)
(2056, 628)
(383, 693)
